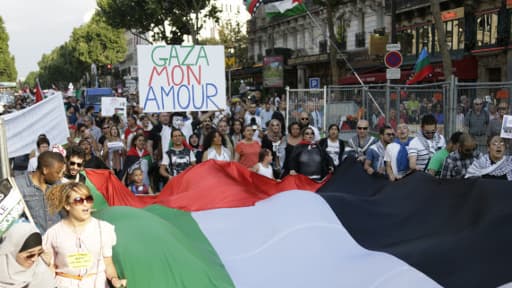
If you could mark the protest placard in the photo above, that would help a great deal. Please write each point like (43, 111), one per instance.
(181, 78)
(113, 105)
(12, 205)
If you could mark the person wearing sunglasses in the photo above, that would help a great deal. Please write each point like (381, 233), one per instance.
(374, 162)
(79, 246)
(21, 264)
(304, 122)
(75, 158)
(495, 164)
(358, 144)
(426, 143)
(458, 161)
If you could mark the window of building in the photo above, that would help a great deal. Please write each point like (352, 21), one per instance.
(454, 30)
(487, 29)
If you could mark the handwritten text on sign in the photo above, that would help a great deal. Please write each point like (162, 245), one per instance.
(181, 78)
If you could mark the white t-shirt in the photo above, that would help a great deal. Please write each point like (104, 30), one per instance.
(267, 172)
(390, 155)
(32, 164)
(333, 150)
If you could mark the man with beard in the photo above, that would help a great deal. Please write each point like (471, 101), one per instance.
(304, 122)
(33, 186)
(75, 158)
(374, 162)
(425, 144)
(458, 162)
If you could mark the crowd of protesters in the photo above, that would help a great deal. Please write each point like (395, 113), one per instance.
(146, 150)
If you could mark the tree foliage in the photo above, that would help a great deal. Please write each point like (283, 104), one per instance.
(97, 42)
(7, 68)
(232, 35)
(93, 42)
(168, 21)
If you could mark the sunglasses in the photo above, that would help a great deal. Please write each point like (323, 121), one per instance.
(80, 200)
(496, 144)
(429, 132)
(390, 134)
(304, 118)
(309, 133)
(33, 255)
(106, 127)
(73, 163)
(362, 128)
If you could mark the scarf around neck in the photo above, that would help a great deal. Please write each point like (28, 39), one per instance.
(483, 166)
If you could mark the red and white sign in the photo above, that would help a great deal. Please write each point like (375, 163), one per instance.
(393, 59)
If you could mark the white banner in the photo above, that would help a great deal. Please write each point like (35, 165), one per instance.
(11, 204)
(23, 127)
(181, 78)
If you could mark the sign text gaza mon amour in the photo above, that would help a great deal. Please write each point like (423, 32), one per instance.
(181, 78)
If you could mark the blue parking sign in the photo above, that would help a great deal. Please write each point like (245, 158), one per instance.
(314, 83)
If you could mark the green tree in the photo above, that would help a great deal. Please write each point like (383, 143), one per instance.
(30, 80)
(232, 35)
(7, 68)
(60, 67)
(168, 21)
(97, 42)
(331, 6)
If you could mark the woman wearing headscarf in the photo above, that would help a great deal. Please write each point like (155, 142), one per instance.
(21, 264)
(495, 164)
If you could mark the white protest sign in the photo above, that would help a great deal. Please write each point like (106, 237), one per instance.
(11, 204)
(181, 78)
(113, 105)
(506, 127)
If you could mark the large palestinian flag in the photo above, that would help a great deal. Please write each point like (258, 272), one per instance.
(219, 225)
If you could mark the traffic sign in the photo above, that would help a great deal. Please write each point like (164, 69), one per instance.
(393, 74)
(314, 83)
(393, 47)
(393, 59)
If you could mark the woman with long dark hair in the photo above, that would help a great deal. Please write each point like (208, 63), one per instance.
(308, 159)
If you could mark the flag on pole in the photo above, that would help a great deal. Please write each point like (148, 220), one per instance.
(422, 68)
(284, 8)
(39, 92)
(253, 5)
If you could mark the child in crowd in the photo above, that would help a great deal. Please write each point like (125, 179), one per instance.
(263, 166)
(137, 185)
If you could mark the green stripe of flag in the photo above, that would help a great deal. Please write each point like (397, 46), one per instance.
(162, 247)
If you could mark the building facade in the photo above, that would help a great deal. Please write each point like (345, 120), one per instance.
(477, 35)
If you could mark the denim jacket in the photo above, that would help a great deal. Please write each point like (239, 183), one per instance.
(36, 204)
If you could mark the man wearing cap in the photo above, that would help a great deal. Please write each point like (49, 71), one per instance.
(476, 122)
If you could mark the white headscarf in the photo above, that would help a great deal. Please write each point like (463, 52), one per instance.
(13, 275)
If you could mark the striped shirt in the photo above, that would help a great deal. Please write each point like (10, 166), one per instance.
(422, 153)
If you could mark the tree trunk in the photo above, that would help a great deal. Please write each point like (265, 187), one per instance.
(333, 51)
(441, 37)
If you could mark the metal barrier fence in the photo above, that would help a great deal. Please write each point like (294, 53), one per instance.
(448, 101)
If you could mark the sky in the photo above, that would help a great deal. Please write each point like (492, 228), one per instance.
(36, 27)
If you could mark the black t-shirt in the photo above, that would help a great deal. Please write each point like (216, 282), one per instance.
(95, 163)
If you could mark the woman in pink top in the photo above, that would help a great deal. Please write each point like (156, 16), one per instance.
(80, 246)
(247, 150)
